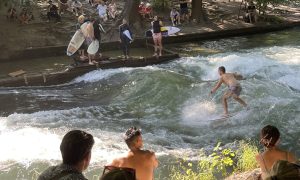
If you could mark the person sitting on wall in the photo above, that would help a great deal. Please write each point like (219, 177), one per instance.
(62, 6)
(52, 12)
(24, 16)
(102, 11)
(250, 15)
(112, 9)
(175, 17)
(145, 9)
(77, 7)
(11, 14)
(76, 149)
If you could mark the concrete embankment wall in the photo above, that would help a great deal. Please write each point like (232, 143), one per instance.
(61, 50)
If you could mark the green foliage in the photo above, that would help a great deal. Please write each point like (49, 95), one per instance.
(221, 163)
(161, 4)
(263, 4)
(246, 156)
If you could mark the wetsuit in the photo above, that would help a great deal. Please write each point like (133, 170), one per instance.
(125, 41)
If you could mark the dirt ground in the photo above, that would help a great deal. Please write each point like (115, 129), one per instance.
(40, 33)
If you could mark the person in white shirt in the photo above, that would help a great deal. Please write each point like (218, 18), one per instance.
(175, 17)
(77, 6)
(102, 11)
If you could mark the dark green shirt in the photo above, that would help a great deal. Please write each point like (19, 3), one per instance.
(61, 172)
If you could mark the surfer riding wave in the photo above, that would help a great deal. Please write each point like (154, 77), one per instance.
(234, 87)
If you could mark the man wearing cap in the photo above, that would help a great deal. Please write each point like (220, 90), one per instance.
(143, 161)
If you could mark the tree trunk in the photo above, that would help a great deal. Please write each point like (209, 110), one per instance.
(131, 13)
(198, 14)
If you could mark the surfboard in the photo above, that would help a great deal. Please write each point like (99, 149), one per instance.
(75, 43)
(223, 117)
(93, 47)
(165, 30)
(127, 34)
(77, 40)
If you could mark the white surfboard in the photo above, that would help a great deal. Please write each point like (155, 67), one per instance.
(127, 34)
(169, 29)
(83, 28)
(172, 30)
(223, 117)
(75, 43)
(93, 47)
(77, 40)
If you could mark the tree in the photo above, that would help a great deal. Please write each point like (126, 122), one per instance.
(131, 13)
(197, 11)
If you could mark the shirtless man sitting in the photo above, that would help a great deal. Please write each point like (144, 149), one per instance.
(143, 161)
(234, 87)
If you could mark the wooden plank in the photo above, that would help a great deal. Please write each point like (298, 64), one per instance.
(17, 73)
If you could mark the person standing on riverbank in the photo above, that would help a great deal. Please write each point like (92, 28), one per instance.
(143, 161)
(234, 87)
(76, 149)
(125, 38)
(184, 10)
(269, 138)
(157, 36)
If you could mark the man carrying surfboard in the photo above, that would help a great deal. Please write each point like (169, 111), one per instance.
(125, 37)
(234, 87)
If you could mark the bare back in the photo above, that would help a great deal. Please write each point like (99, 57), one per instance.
(268, 158)
(144, 162)
(230, 79)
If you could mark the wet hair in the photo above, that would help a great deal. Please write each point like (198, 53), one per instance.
(269, 136)
(222, 69)
(130, 135)
(76, 145)
(119, 174)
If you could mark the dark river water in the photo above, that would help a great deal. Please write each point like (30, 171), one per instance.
(169, 102)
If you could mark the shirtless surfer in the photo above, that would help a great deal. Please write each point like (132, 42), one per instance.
(143, 161)
(234, 87)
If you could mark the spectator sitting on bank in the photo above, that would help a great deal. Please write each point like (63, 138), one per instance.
(77, 6)
(24, 16)
(250, 15)
(112, 9)
(270, 139)
(175, 17)
(102, 11)
(76, 147)
(62, 6)
(11, 13)
(53, 12)
(184, 10)
(143, 161)
(145, 9)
